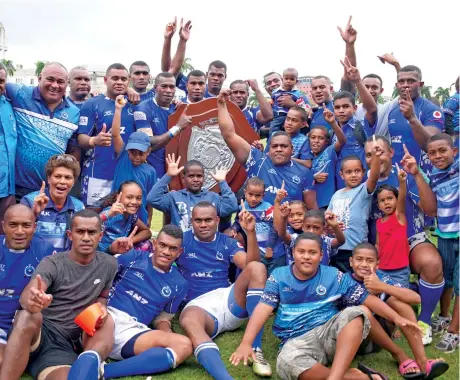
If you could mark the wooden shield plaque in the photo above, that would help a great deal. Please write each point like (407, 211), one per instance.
(202, 141)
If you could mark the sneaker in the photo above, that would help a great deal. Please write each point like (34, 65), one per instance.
(427, 334)
(260, 367)
(448, 343)
(440, 323)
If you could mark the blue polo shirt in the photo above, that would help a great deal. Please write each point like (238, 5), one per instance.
(318, 117)
(53, 223)
(42, 133)
(78, 105)
(8, 140)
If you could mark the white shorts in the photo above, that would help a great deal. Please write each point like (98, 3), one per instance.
(417, 239)
(215, 303)
(125, 328)
(3, 336)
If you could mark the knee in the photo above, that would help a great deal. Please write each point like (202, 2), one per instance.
(429, 264)
(188, 321)
(257, 271)
(28, 323)
(182, 347)
(367, 311)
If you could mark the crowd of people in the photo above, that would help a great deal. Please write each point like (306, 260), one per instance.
(329, 229)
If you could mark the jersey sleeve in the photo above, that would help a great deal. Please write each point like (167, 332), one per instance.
(233, 248)
(254, 156)
(352, 292)
(12, 90)
(304, 151)
(142, 117)
(451, 106)
(271, 295)
(173, 306)
(87, 119)
(308, 181)
(47, 270)
(181, 82)
(432, 117)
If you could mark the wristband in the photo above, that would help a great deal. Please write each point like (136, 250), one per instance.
(175, 130)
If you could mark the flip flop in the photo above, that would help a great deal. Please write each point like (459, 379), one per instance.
(410, 363)
(435, 369)
(369, 372)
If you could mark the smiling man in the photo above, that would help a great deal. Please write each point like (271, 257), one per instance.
(46, 125)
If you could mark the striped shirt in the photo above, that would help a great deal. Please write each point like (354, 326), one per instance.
(444, 183)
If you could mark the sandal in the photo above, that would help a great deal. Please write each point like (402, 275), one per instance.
(369, 372)
(435, 369)
(410, 363)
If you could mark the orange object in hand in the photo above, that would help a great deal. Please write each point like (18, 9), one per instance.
(89, 318)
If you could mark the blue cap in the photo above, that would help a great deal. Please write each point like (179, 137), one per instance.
(139, 141)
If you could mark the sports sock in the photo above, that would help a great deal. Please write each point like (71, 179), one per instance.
(85, 367)
(252, 299)
(153, 360)
(208, 355)
(430, 295)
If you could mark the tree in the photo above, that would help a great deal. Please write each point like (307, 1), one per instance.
(252, 100)
(442, 94)
(425, 91)
(380, 100)
(187, 66)
(395, 93)
(39, 65)
(10, 69)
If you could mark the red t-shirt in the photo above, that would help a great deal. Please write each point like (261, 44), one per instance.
(393, 244)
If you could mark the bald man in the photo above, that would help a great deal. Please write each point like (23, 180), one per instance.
(46, 125)
(20, 253)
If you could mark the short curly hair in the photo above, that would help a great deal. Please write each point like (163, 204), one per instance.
(62, 160)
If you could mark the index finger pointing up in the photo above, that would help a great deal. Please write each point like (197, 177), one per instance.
(119, 196)
(282, 185)
(349, 22)
(42, 189)
(132, 234)
(405, 149)
(243, 207)
(39, 282)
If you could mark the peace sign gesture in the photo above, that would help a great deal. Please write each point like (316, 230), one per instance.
(124, 244)
(40, 201)
(184, 31)
(117, 207)
(349, 34)
(351, 73)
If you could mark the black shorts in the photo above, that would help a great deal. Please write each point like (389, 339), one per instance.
(56, 348)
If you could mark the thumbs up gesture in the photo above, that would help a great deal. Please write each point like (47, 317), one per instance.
(40, 201)
(373, 283)
(103, 138)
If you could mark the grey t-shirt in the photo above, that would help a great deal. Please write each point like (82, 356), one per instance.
(73, 286)
(382, 116)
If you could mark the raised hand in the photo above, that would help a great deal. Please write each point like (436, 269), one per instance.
(402, 175)
(38, 299)
(406, 106)
(320, 177)
(253, 84)
(247, 220)
(103, 138)
(285, 209)
(224, 96)
(40, 201)
(231, 232)
(184, 120)
(124, 244)
(408, 162)
(120, 102)
(258, 145)
(351, 73)
(328, 114)
(388, 58)
(331, 219)
(170, 28)
(243, 352)
(281, 193)
(173, 165)
(376, 150)
(184, 31)
(219, 175)
(133, 96)
(348, 34)
(117, 207)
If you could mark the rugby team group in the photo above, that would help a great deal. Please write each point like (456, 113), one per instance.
(328, 233)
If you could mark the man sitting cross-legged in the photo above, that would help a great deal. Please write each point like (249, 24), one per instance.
(216, 306)
(148, 288)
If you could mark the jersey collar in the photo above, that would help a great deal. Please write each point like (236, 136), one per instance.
(38, 96)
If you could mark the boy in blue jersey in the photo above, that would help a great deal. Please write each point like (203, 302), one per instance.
(356, 131)
(424, 258)
(20, 253)
(416, 118)
(352, 204)
(324, 157)
(312, 330)
(148, 288)
(179, 204)
(365, 272)
(256, 116)
(132, 161)
(46, 125)
(444, 183)
(273, 168)
(214, 305)
(151, 117)
(451, 112)
(96, 118)
(286, 97)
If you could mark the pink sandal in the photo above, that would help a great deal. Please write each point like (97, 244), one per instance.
(435, 369)
(410, 363)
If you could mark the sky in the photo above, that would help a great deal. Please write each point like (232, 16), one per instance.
(251, 37)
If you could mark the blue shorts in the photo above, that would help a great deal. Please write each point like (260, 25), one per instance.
(448, 249)
(400, 276)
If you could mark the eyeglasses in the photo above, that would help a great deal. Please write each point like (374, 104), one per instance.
(64, 157)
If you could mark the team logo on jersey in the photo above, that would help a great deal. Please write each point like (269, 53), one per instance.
(272, 171)
(139, 275)
(192, 255)
(166, 291)
(130, 111)
(83, 120)
(239, 245)
(29, 270)
(64, 115)
(138, 115)
(287, 289)
(181, 208)
(97, 281)
(296, 179)
(2, 267)
(219, 256)
(437, 114)
(320, 290)
(108, 113)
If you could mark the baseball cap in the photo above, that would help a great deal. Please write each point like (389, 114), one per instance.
(139, 141)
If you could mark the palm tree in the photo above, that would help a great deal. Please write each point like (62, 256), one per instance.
(187, 66)
(395, 93)
(39, 65)
(442, 94)
(425, 91)
(10, 69)
(252, 100)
